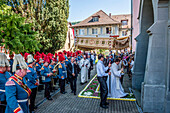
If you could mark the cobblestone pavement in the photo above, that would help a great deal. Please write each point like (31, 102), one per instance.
(69, 103)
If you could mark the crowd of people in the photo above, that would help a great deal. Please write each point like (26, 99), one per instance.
(22, 76)
(110, 73)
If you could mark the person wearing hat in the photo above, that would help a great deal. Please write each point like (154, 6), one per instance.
(32, 81)
(65, 53)
(84, 65)
(39, 64)
(17, 92)
(4, 75)
(62, 73)
(102, 78)
(52, 70)
(67, 61)
(46, 77)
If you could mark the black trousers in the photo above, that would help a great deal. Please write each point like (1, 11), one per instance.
(73, 84)
(62, 85)
(121, 79)
(103, 89)
(32, 99)
(89, 70)
(55, 80)
(3, 106)
(47, 89)
(51, 85)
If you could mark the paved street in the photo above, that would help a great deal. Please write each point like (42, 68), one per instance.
(68, 103)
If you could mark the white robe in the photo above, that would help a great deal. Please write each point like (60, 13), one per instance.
(84, 70)
(117, 90)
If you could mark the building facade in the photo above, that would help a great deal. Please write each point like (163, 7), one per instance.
(95, 31)
(135, 22)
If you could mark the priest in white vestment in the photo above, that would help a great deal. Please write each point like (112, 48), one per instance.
(84, 65)
(115, 90)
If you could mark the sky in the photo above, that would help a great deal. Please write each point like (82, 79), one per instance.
(82, 9)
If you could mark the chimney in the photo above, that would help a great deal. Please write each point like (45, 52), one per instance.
(110, 15)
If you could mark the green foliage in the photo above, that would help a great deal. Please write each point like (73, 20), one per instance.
(15, 34)
(101, 51)
(49, 19)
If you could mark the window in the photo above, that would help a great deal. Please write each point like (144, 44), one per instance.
(87, 41)
(95, 19)
(124, 22)
(124, 33)
(81, 31)
(107, 30)
(82, 41)
(87, 31)
(103, 42)
(101, 30)
(94, 30)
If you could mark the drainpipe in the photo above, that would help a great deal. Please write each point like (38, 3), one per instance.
(131, 25)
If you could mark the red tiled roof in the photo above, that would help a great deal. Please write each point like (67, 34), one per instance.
(104, 19)
(121, 17)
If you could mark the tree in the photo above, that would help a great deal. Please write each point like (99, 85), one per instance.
(15, 34)
(49, 19)
(57, 23)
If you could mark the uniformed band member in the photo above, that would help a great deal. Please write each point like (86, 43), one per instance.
(102, 78)
(3, 78)
(51, 67)
(62, 73)
(46, 77)
(17, 93)
(32, 81)
(39, 64)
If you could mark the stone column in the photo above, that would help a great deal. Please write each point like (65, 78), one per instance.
(167, 110)
(153, 93)
(146, 20)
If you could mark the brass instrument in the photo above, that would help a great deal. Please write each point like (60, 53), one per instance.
(56, 68)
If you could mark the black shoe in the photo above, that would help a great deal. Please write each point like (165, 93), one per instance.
(49, 98)
(55, 88)
(106, 103)
(32, 111)
(72, 91)
(64, 92)
(35, 107)
(81, 83)
(104, 106)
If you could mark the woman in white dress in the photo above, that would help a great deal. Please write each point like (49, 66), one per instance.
(115, 90)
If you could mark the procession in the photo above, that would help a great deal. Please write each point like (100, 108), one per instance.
(23, 76)
(84, 56)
